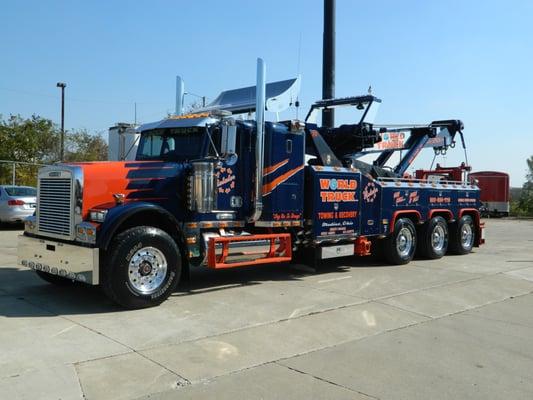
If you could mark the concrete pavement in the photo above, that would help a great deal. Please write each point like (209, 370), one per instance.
(459, 327)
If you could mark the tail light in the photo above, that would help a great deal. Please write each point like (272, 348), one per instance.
(15, 203)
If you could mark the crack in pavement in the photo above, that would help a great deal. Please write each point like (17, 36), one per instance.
(499, 320)
(414, 324)
(132, 350)
(328, 381)
(79, 381)
(187, 382)
(183, 381)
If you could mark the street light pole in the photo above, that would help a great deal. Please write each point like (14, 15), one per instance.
(195, 95)
(62, 85)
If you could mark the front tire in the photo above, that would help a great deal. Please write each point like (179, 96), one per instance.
(143, 267)
(462, 236)
(399, 248)
(433, 237)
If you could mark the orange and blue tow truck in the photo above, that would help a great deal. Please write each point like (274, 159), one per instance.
(217, 189)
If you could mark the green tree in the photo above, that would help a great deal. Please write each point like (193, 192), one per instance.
(525, 204)
(31, 140)
(34, 140)
(37, 140)
(82, 146)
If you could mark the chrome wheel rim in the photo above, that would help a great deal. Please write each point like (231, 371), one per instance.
(467, 235)
(404, 242)
(147, 270)
(438, 238)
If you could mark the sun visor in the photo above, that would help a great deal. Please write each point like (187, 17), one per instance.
(279, 96)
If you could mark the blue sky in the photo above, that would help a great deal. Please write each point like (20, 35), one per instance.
(427, 60)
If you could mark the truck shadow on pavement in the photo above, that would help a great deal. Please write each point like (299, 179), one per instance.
(11, 227)
(204, 280)
(24, 294)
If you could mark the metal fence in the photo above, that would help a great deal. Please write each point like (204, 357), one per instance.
(19, 172)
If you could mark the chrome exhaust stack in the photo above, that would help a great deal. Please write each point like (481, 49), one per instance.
(260, 104)
(180, 92)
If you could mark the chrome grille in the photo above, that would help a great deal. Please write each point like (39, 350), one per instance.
(54, 206)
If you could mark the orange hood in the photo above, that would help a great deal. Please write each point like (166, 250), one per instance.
(136, 180)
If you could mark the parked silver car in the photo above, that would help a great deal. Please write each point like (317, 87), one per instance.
(16, 203)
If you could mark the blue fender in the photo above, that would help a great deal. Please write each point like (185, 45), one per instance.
(119, 214)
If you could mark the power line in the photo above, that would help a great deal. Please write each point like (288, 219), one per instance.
(32, 93)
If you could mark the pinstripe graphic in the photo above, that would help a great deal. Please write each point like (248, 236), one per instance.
(269, 187)
(275, 167)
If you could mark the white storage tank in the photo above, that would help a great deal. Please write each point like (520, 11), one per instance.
(123, 142)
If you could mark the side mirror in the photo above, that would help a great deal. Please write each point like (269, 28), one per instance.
(229, 139)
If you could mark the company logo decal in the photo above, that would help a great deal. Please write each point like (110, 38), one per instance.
(413, 197)
(338, 190)
(391, 140)
(409, 197)
(226, 180)
(398, 198)
(370, 192)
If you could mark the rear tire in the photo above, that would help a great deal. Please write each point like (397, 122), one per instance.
(142, 268)
(55, 279)
(399, 248)
(433, 238)
(462, 236)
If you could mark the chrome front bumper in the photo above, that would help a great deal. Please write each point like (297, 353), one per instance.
(66, 260)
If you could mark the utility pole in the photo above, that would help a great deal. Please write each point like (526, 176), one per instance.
(328, 62)
(62, 85)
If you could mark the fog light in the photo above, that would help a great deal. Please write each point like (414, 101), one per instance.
(31, 264)
(81, 278)
(38, 266)
(62, 272)
(86, 232)
(46, 268)
(54, 270)
(71, 275)
(24, 262)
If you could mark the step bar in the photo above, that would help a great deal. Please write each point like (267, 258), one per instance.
(279, 250)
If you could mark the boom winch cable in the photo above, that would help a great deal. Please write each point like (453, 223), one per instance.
(464, 146)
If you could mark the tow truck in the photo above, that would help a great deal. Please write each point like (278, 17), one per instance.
(217, 189)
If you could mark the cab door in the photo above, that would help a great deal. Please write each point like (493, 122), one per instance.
(230, 172)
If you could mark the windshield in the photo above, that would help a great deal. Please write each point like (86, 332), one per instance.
(177, 144)
(21, 191)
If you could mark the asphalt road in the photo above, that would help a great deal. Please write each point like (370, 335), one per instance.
(456, 328)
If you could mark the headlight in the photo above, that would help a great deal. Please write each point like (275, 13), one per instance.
(97, 215)
(30, 224)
